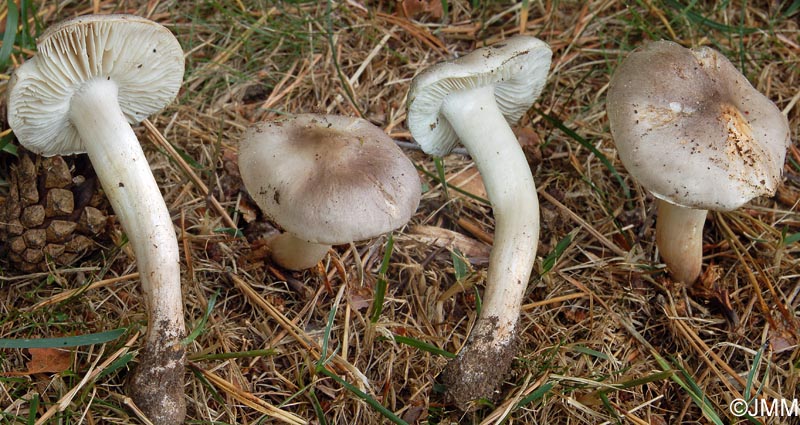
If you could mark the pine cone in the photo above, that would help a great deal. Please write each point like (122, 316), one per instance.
(54, 213)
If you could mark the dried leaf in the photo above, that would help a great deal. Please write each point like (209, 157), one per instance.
(531, 144)
(360, 298)
(448, 239)
(248, 210)
(46, 360)
(468, 180)
(781, 339)
(413, 9)
(53, 360)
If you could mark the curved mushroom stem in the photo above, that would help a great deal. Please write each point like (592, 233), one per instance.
(679, 237)
(486, 356)
(296, 254)
(123, 171)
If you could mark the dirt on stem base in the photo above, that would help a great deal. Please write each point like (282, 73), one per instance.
(480, 366)
(157, 384)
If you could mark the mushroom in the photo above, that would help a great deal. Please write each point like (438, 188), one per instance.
(694, 132)
(473, 99)
(92, 77)
(327, 180)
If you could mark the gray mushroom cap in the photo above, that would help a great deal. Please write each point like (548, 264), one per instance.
(516, 67)
(142, 57)
(328, 179)
(692, 130)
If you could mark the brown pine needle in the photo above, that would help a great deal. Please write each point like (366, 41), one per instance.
(577, 219)
(298, 334)
(63, 296)
(249, 398)
(553, 300)
(162, 142)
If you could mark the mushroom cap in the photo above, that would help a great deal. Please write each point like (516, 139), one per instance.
(516, 68)
(692, 130)
(142, 57)
(328, 179)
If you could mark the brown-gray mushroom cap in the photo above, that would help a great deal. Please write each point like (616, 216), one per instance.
(692, 130)
(328, 179)
(142, 57)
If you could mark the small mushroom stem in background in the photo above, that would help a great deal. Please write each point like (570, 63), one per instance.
(476, 118)
(679, 237)
(126, 178)
(293, 253)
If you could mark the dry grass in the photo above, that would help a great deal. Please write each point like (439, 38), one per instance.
(595, 323)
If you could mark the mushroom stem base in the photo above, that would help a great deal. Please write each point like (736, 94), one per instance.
(679, 237)
(481, 365)
(296, 254)
(159, 391)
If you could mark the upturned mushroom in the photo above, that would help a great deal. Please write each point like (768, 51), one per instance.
(93, 77)
(326, 180)
(473, 99)
(694, 132)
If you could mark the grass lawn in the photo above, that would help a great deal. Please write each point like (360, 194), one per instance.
(606, 336)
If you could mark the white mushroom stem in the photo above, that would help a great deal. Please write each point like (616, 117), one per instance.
(126, 178)
(679, 237)
(482, 129)
(296, 254)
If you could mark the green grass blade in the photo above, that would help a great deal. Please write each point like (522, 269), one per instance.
(790, 239)
(324, 357)
(585, 143)
(388, 414)
(198, 374)
(478, 302)
(380, 286)
(335, 58)
(550, 261)
(589, 352)
(27, 10)
(234, 355)
(702, 20)
(609, 407)
(536, 394)
(456, 188)
(752, 373)
(424, 346)
(696, 394)
(317, 407)
(659, 376)
(748, 387)
(34, 407)
(298, 393)
(460, 267)
(236, 233)
(438, 162)
(116, 364)
(67, 341)
(202, 325)
(6, 145)
(794, 164)
(10, 35)
(792, 9)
